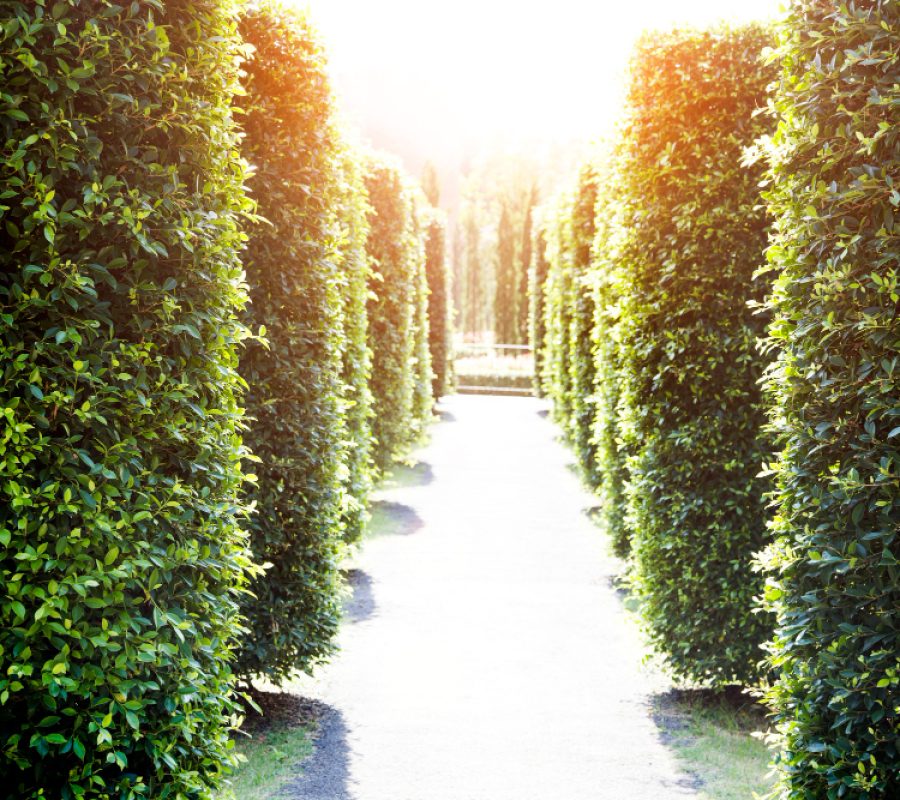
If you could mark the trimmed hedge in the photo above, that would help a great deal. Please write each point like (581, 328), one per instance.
(121, 555)
(439, 339)
(610, 450)
(396, 250)
(423, 376)
(556, 375)
(350, 210)
(581, 364)
(694, 236)
(536, 301)
(294, 378)
(834, 577)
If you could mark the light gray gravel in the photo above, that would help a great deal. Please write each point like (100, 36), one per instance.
(486, 655)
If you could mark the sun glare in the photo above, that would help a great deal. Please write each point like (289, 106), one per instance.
(475, 73)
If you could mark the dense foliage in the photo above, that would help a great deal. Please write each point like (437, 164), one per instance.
(400, 381)
(555, 376)
(694, 237)
(294, 378)
(505, 284)
(350, 217)
(834, 572)
(581, 364)
(536, 298)
(439, 338)
(423, 375)
(121, 555)
(610, 453)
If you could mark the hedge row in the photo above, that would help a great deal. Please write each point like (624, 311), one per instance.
(537, 323)
(679, 433)
(350, 215)
(651, 355)
(834, 576)
(296, 425)
(129, 601)
(439, 337)
(398, 316)
(121, 551)
(692, 407)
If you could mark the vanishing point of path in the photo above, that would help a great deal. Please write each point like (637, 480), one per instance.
(486, 655)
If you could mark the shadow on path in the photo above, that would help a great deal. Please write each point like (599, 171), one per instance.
(407, 476)
(361, 605)
(326, 773)
(394, 519)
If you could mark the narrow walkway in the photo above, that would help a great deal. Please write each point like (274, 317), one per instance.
(487, 655)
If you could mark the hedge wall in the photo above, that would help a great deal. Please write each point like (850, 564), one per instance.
(610, 450)
(536, 303)
(694, 236)
(581, 324)
(350, 211)
(423, 375)
(835, 579)
(558, 305)
(439, 338)
(401, 378)
(121, 556)
(294, 398)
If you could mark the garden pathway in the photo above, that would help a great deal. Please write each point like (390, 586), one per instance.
(487, 655)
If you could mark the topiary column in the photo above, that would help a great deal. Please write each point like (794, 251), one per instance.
(295, 382)
(396, 251)
(834, 576)
(694, 235)
(121, 555)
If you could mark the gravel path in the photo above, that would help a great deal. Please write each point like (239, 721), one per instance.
(486, 654)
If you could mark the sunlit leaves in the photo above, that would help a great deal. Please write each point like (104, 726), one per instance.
(295, 389)
(834, 578)
(119, 413)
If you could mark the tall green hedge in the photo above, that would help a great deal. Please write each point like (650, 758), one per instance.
(556, 377)
(694, 237)
(537, 290)
(395, 319)
(580, 344)
(610, 451)
(834, 578)
(294, 399)
(423, 375)
(121, 555)
(439, 339)
(350, 211)
(505, 283)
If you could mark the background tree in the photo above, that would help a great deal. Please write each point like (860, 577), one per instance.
(505, 286)
(523, 273)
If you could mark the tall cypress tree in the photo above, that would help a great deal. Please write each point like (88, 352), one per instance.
(504, 288)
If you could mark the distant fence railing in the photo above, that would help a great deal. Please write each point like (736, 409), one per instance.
(494, 368)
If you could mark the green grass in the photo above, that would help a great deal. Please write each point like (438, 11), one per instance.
(712, 735)
(272, 748)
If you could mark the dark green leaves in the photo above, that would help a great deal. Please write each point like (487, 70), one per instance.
(398, 321)
(833, 576)
(117, 499)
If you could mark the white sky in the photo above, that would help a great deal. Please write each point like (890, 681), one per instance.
(443, 79)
